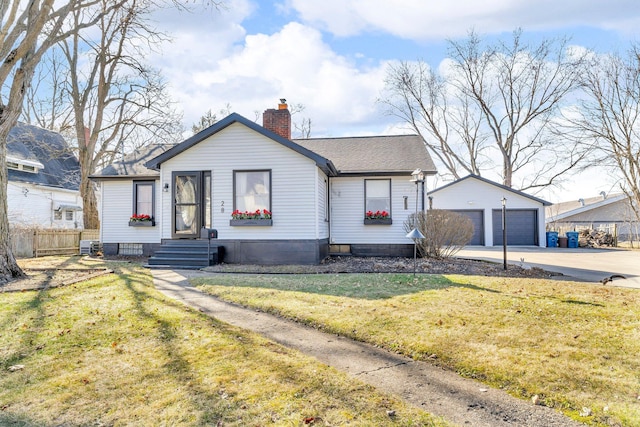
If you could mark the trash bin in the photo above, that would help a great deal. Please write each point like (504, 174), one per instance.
(562, 242)
(552, 239)
(572, 239)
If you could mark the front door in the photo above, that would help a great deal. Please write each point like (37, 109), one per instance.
(191, 208)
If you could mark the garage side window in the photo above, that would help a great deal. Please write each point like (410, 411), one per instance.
(377, 194)
(252, 191)
(143, 198)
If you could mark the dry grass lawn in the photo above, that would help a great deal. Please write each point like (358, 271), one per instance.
(574, 345)
(114, 351)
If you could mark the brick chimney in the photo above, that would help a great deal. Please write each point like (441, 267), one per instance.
(278, 121)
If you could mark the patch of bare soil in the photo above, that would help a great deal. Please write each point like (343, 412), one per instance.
(48, 277)
(350, 264)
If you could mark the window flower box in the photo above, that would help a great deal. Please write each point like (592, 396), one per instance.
(251, 222)
(141, 221)
(377, 218)
(148, 223)
(378, 221)
(257, 218)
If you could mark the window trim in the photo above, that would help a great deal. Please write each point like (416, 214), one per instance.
(364, 213)
(236, 171)
(136, 184)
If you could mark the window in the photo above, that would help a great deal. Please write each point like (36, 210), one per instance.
(17, 165)
(68, 215)
(252, 190)
(143, 198)
(57, 215)
(377, 194)
(130, 249)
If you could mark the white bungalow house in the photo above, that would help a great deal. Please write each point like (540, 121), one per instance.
(43, 180)
(481, 200)
(311, 196)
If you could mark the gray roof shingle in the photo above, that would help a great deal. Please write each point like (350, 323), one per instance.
(133, 164)
(61, 168)
(393, 154)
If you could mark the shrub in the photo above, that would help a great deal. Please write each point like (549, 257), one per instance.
(445, 232)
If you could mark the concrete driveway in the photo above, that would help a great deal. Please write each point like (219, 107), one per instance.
(588, 265)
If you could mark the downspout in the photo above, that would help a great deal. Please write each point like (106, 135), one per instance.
(329, 196)
(316, 193)
(51, 210)
(101, 212)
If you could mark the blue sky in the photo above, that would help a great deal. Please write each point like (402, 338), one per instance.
(332, 55)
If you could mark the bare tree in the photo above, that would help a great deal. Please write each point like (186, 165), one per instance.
(519, 89)
(116, 99)
(303, 126)
(434, 109)
(27, 30)
(210, 118)
(492, 102)
(46, 104)
(608, 119)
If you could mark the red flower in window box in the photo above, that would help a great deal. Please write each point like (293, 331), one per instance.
(377, 215)
(258, 214)
(140, 218)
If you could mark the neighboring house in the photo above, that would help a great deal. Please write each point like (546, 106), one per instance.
(316, 193)
(481, 200)
(44, 178)
(595, 213)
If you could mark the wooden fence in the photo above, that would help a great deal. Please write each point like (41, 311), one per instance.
(29, 243)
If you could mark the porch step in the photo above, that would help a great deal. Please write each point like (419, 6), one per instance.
(186, 254)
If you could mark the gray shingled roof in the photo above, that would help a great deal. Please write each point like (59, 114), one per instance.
(394, 154)
(133, 163)
(387, 155)
(60, 169)
(563, 210)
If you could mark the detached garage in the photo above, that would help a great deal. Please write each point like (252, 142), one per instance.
(477, 219)
(481, 200)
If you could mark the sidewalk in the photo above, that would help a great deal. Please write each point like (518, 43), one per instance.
(458, 400)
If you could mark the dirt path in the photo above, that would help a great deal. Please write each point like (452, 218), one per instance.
(458, 400)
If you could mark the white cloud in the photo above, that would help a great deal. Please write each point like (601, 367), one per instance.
(252, 73)
(421, 20)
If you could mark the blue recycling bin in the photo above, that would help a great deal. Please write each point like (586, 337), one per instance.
(572, 239)
(552, 239)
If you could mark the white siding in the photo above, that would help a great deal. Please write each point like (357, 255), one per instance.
(323, 213)
(347, 212)
(478, 195)
(117, 208)
(293, 186)
(33, 205)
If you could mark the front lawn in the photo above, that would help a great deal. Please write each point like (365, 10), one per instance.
(114, 351)
(574, 345)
